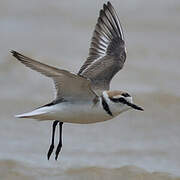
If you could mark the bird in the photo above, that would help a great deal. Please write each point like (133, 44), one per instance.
(86, 97)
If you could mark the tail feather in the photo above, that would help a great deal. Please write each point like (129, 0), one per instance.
(28, 115)
(40, 114)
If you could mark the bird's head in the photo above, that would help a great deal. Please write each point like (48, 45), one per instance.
(119, 101)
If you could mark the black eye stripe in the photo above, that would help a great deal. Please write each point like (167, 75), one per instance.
(125, 94)
(117, 100)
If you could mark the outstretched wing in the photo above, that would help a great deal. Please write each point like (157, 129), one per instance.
(107, 51)
(68, 85)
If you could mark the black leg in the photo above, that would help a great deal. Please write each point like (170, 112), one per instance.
(52, 141)
(60, 140)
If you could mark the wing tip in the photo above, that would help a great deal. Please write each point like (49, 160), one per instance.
(108, 4)
(14, 53)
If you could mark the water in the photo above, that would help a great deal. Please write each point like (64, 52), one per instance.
(135, 145)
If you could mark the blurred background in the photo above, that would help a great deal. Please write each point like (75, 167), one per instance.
(135, 145)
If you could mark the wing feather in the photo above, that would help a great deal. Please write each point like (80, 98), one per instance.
(107, 51)
(68, 85)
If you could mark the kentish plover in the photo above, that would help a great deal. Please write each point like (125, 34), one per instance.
(85, 97)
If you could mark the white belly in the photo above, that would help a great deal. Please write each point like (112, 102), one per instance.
(73, 113)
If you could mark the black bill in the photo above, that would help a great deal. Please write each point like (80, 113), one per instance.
(134, 106)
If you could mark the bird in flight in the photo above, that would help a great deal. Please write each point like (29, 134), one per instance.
(85, 97)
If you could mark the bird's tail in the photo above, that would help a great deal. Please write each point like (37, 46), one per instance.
(41, 113)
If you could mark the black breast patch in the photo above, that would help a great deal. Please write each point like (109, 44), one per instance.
(106, 107)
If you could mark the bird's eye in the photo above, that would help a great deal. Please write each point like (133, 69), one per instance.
(125, 94)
